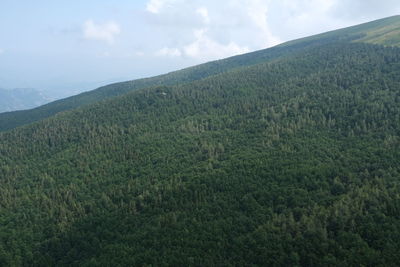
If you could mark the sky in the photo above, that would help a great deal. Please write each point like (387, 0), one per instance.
(67, 46)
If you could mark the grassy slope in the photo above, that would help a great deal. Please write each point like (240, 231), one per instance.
(383, 31)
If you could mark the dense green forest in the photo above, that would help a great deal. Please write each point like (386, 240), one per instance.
(291, 161)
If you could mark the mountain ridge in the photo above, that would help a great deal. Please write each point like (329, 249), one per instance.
(15, 119)
(368, 32)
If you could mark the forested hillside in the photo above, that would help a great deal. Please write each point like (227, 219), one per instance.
(291, 162)
(384, 31)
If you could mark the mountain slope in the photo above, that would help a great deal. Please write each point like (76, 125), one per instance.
(284, 163)
(384, 31)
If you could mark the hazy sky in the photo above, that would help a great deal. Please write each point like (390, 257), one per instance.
(75, 45)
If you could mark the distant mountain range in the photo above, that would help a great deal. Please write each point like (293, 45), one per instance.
(21, 99)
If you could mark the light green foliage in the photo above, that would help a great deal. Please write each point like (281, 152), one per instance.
(383, 32)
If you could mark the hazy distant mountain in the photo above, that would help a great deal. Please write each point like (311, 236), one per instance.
(19, 99)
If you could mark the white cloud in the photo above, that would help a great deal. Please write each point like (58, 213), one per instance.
(257, 10)
(203, 48)
(205, 30)
(203, 12)
(206, 48)
(220, 30)
(300, 18)
(101, 32)
(170, 52)
(155, 6)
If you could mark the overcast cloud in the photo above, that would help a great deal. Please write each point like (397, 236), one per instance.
(47, 44)
(207, 30)
(101, 32)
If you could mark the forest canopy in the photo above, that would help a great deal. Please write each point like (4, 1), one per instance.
(284, 162)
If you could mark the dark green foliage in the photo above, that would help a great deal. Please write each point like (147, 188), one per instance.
(290, 163)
